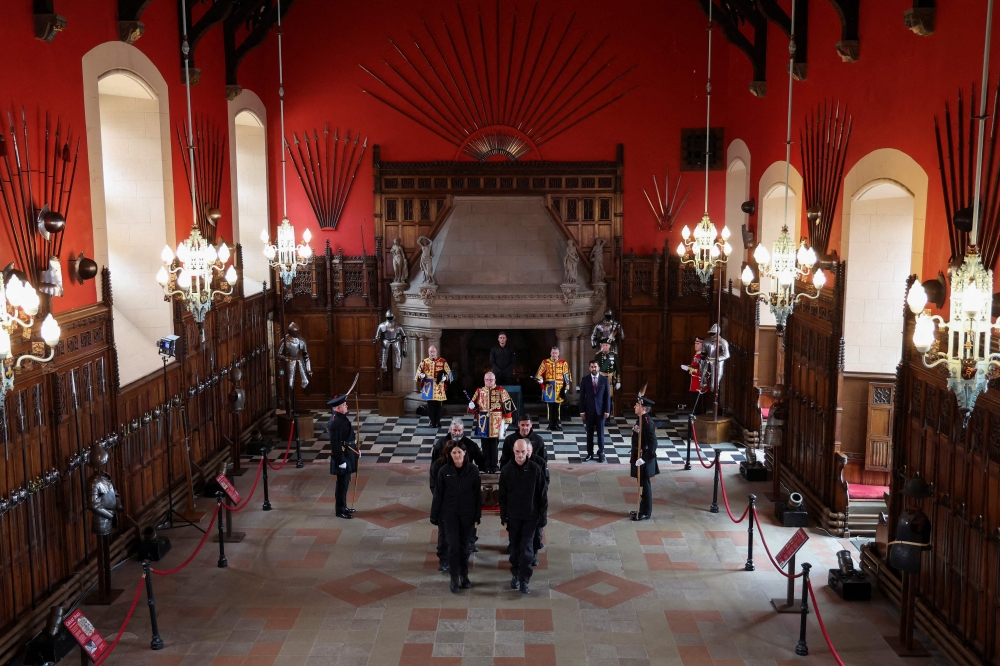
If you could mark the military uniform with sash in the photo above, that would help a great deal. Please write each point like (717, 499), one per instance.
(645, 450)
(343, 456)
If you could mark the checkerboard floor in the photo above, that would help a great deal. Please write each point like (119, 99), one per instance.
(408, 439)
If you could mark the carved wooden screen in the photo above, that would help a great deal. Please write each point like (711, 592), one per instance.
(959, 583)
(814, 368)
(689, 315)
(739, 381)
(642, 319)
(584, 199)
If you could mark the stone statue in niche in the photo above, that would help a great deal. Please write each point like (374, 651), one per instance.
(400, 267)
(597, 262)
(426, 259)
(570, 263)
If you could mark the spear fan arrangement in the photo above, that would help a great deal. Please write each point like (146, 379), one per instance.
(824, 151)
(36, 198)
(327, 173)
(209, 162)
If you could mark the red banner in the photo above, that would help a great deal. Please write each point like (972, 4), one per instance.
(230, 490)
(789, 549)
(86, 634)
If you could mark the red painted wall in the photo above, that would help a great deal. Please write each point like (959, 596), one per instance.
(48, 77)
(899, 83)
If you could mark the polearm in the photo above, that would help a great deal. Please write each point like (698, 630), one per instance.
(638, 454)
(79, 452)
(357, 466)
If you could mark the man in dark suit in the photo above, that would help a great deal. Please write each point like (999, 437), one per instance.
(643, 458)
(343, 455)
(595, 405)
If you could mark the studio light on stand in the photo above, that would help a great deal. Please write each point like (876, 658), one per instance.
(285, 256)
(784, 265)
(189, 276)
(966, 355)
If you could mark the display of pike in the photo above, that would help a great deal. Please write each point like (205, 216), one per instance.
(30, 523)
(40, 483)
(79, 452)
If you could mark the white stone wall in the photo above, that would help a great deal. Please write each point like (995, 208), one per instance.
(737, 185)
(772, 218)
(251, 190)
(136, 225)
(880, 246)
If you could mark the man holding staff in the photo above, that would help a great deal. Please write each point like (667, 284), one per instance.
(643, 458)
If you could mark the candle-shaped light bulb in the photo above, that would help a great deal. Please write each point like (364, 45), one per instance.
(162, 277)
(50, 331)
(231, 275)
(916, 298)
(306, 236)
(167, 255)
(223, 252)
(747, 275)
(685, 232)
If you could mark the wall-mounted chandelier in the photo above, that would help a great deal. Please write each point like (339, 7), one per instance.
(784, 264)
(967, 356)
(20, 305)
(189, 276)
(285, 257)
(706, 247)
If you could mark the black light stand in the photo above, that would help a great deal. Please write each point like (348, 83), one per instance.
(168, 349)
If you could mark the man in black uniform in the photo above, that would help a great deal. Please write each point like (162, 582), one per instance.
(343, 455)
(525, 430)
(643, 458)
(456, 433)
(502, 361)
(523, 508)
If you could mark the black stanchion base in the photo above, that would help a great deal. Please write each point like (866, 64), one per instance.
(99, 598)
(299, 464)
(802, 649)
(235, 537)
(223, 563)
(687, 467)
(754, 473)
(714, 508)
(786, 606)
(156, 643)
(896, 643)
(266, 507)
(749, 566)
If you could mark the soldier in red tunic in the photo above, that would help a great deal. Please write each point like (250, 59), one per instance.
(697, 389)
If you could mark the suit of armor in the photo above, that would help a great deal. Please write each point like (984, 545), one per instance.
(102, 500)
(607, 330)
(294, 353)
(392, 337)
(709, 382)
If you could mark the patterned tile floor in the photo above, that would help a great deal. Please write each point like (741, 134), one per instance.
(307, 589)
(408, 439)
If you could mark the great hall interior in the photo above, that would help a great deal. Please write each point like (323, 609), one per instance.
(709, 277)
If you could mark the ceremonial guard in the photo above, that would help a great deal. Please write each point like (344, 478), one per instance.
(610, 367)
(494, 412)
(697, 389)
(555, 379)
(433, 377)
(643, 457)
(393, 338)
(607, 330)
(343, 454)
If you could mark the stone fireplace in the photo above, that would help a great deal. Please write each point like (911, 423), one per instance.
(498, 265)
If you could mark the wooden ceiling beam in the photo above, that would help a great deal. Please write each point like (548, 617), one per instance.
(214, 15)
(849, 46)
(130, 28)
(774, 13)
(259, 16)
(728, 18)
(47, 23)
(920, 19)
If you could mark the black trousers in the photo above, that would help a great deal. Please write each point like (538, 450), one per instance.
(595, 424)
(434, 409)
(646, 501)
(442, 547)
(343, 481)
(522, 536)
(553, 408)
(537, 545)
(490, 445)
(458, 530)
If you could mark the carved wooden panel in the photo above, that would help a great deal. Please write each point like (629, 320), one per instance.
(640, 355)
(739, 381)
(878, 446)
(354, 352)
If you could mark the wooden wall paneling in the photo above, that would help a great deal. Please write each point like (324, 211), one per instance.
(739, 390)
(353, 352)
(689, 314)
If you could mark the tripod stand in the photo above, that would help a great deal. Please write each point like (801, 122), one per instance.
(167, 520)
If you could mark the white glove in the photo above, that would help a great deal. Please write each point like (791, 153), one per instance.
(541, 381)
(423, 376)
(640, 462)
(343, 465)
(472, 405)
(503, 430)
(683, 367)
(618, 386)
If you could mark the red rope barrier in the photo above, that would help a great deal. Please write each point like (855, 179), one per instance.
(697, 449)
(128, 618)
(822, 627)
(725, 500)
(186, 562)
(288, 449)
(254, 488)
(768, 550)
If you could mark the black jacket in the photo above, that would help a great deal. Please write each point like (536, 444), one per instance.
(457, 491)
(436, 466)
(342, 445)
(523, 493)
(648, 452)
(471, 448)
(538, 454)
(502, 360)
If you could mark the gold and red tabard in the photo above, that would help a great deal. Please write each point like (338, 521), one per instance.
(554, 375)
(437, 375)
(493, 407)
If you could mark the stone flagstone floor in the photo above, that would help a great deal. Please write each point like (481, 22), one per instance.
(307, 589)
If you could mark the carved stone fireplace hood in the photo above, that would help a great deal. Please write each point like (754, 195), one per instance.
(499, 263)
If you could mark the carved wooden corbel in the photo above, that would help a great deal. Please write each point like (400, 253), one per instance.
(47, 22)
(920, 19)
(130, 28)
(257, 17)
(774, 13)
(849, 46)
(214, 15)
(729, 18)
